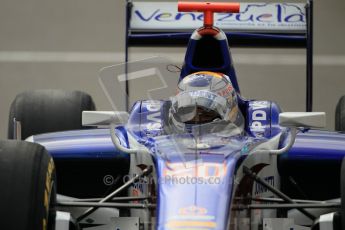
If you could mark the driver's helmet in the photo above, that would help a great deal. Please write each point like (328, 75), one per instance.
(204, 97)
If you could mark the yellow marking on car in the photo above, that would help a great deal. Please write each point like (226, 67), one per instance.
(213, 74)
(47, 191)
(174, 224)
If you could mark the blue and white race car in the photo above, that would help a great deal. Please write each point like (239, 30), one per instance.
(193, 156)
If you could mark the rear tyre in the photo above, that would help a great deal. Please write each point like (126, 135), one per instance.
(27, 187)
(49, 110)
(340, 115)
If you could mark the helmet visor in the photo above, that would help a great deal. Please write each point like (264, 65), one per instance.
(199, 106)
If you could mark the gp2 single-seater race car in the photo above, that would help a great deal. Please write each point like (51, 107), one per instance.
(139, 170)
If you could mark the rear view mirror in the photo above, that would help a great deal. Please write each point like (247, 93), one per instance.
(303, 119)
(104, 118)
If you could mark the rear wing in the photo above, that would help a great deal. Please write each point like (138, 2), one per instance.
(257, 24)
(285, 25)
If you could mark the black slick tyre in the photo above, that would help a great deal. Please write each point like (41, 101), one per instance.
(27, 187)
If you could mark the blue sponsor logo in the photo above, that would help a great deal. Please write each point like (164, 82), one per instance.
(278, 13)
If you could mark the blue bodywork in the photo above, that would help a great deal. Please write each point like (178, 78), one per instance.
(201, 203)
(178, 203)
(313, 145)
(83, 158)
(92, 143)
(311, 148)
